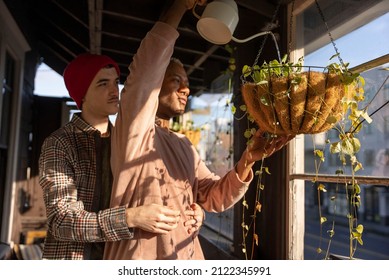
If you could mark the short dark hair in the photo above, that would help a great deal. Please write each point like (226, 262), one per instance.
(176, 61)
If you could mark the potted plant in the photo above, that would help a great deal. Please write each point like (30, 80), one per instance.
(289, 98)
(188, 129)
(286, 98)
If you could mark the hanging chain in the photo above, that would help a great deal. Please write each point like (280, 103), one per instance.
(290, 30)
(265, 38)
(329, 33)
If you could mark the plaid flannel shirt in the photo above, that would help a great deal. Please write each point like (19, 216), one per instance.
(69, 161)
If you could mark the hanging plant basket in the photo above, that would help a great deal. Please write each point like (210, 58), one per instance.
(285, 100)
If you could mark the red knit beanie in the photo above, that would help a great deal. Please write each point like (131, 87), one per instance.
(80, 72)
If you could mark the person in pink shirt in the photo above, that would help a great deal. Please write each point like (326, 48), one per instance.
(153, 165)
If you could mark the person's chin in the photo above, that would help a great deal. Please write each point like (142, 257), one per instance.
(114, 111)
(180, 112)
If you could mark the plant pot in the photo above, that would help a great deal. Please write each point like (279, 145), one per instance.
(303, 103)
(193, 136)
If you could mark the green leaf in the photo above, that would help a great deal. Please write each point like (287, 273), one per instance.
(267, 170)
(339, 172)
(320, 154)
(331, 119)
(229, 48)
(243, 108)
(358, 236)
(358, 166)
(233, 109)
(284, 58)
(246, 71)
(264, 101)
(350, 146)
(335, 148)
(357, 190)
(322, 188)
(335, 55)
(247, 133)
(359, 229)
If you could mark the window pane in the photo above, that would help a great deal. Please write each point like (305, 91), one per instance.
(362, 40)
(335, 208)
(333, 204)
(372, 136)
(211, 112)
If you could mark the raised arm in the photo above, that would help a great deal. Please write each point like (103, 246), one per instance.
(176, 11)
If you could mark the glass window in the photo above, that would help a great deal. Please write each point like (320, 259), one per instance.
(211, 113)
(6, 102)
(365, 47)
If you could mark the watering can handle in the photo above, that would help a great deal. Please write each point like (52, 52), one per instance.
(194, 10)
(261, 34)
(251, 37)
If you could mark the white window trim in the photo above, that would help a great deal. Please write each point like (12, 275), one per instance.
(13, 42)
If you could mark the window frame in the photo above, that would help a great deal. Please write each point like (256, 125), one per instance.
(297, 176)
(14, 44)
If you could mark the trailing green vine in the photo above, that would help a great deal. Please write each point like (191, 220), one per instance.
(347, 127)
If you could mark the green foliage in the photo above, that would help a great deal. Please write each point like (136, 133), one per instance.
(346, 147)
(260, 74)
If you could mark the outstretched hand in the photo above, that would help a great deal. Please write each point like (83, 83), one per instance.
(259, 147)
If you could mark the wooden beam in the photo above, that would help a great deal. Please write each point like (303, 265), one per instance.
(70, 14)
(371, 64)
(261, 7)
(368, 180)
(203, 58)
(61, 30)
(95, 8)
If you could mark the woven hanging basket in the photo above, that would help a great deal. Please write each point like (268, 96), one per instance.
(312, 106)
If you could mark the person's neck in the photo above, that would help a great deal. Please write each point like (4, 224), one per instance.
(100, 123)
(162, 122)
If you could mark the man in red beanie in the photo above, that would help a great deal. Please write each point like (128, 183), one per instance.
(79, 74)
(76, 177)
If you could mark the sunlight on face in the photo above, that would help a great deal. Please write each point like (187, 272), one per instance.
(174, 92)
